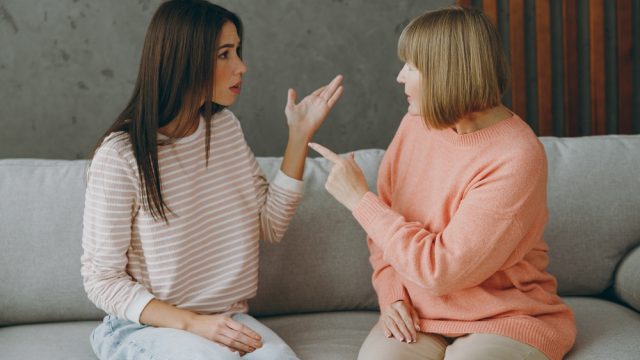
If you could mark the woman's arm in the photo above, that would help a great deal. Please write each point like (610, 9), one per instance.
(110, 205)
(482, 235)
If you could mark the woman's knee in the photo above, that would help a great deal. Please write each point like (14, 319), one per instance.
(272, 351)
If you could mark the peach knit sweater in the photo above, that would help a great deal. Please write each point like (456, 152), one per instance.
(456, 230)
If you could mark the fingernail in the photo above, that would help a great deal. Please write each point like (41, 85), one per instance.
(417, 327)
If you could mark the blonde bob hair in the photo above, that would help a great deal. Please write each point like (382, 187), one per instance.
(460, 59)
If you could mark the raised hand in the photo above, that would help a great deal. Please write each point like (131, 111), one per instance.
(305, 118)
(346, 182)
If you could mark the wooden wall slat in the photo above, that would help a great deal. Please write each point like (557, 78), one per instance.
(464, 3)
(490, 7)
(543, 62)
(597, 67)
(625, 65)
(570, 65)
(518, 69)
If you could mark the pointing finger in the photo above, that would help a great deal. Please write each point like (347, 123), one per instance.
(326, 153)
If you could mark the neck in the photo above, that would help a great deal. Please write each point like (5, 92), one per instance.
(482, 119)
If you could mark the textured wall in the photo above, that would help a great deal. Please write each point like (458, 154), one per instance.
(67, 67)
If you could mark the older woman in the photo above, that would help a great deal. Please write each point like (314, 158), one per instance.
(455, 232)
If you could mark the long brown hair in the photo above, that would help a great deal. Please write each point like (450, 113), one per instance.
(175, 76)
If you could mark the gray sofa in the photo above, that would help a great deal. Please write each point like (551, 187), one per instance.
(315, 288)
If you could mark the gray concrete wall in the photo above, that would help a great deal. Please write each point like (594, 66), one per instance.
(67, 67)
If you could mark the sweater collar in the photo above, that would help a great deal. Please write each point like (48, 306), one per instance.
(481, 136)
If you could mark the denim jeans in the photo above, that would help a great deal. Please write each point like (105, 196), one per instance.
(117, 339)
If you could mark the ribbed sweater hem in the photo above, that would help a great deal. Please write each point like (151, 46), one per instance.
(527, 330)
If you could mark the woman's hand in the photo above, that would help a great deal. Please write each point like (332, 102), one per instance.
(346, 182)
(305, 118)
(400, 320)
(225, 331)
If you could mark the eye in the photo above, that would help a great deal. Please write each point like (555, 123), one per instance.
(224, 55)
(409, 67)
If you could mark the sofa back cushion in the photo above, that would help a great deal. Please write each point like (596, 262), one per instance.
(41, 205)
(322, 262)
(594, 208)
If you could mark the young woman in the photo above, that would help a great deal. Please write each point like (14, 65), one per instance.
(455, 232)
(176, 202)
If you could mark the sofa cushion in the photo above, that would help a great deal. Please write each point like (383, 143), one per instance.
(41, 205)
(327, 336)
(606, 330)
(627, 285)
(322, 263)
(594, 202)
(54, 341)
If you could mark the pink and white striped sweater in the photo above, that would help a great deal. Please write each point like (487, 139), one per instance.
(206, 258)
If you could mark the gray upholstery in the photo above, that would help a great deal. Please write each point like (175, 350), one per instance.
(327, 270)
(605, 330)
(627, 285)
(321, 267)
(594, 207)
(41, 204)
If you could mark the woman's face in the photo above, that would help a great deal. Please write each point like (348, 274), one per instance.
(410, 77)
(229, 67)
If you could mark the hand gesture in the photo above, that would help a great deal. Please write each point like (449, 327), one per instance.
(400, 320)
(305, 118)
(225, 331)
(346, 182)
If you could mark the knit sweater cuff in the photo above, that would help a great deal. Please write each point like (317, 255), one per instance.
(288, 183)
(393, 295)
(368, 210)
(137, 305)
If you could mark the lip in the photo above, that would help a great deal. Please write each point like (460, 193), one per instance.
(236, 88)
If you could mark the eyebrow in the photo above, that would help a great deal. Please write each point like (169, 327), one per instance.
(228, 46)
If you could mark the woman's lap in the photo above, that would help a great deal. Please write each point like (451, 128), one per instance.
(436, 347)
(117, 339)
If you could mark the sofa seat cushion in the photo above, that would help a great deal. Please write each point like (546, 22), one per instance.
(334, 336)
(324, 336)
(52, 341)
(606, 330)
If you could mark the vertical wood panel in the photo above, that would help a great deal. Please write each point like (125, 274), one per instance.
(518, 69)
(570, 64)
(625, 71)
(597, 66)
(464, 3)
(490, 7)
(543, 60)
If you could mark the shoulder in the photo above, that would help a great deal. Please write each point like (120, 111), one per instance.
(525, 149)
(225, 118)
(115, 152)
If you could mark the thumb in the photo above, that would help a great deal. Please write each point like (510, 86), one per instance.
(291, 98)
(415, 318)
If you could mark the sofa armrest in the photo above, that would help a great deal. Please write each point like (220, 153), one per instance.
(627, 281)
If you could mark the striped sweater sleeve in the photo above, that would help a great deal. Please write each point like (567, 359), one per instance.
(277, 201)
(110, 205)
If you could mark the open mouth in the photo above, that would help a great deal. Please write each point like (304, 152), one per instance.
(236, 88)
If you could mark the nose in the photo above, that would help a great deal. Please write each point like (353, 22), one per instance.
(400, 78)
(241, 67)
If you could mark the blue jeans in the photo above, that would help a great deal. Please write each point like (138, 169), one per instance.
(117, 339)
